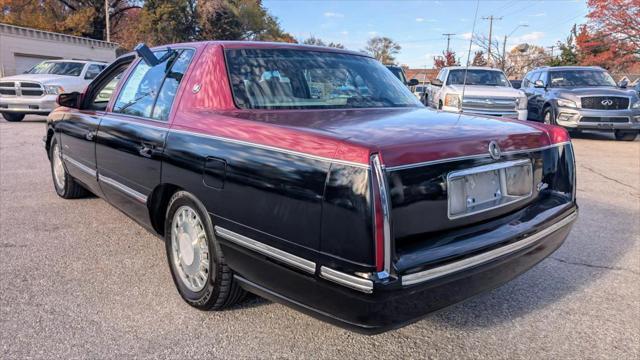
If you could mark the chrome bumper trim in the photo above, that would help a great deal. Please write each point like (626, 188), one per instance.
(350, 281)
(487, 256)
(125, 189)
(79, 165)
(290, 259)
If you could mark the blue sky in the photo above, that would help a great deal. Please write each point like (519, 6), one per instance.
(418, 25)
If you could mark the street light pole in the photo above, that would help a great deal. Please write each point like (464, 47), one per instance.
(504, 44)
(106, 16)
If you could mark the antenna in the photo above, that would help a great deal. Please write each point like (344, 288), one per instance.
(466, 68)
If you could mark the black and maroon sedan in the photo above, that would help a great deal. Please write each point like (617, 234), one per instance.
(312, 177)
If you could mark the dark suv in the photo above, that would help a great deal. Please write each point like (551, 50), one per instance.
(582, 97)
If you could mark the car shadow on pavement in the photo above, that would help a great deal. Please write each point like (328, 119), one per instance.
(586, 255)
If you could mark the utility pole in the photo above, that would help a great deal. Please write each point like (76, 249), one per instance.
(504, 44)
(490, 18)
(106, 17)
(448, 35)
(551, 49)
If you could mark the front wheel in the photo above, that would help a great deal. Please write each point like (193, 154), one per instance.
(197, 264)
(548, 116)
(626, 135)
(13, 117)
(65, 185)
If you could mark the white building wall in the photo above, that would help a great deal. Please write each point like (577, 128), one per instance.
(25, 43)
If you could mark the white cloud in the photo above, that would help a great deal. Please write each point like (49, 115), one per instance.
(419, 19)
(464, 19)
(530, 37)
(466, 36)
(333, 14)
(372, 33)
(344, 32)
(538, 14)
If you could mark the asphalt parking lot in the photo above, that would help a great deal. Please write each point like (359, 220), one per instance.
(79, 279)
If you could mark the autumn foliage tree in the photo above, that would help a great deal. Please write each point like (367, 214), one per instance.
(618, 21)
(479, 59)
(383, 48)
(448, 58)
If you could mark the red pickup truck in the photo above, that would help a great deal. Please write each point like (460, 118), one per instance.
(312, 177)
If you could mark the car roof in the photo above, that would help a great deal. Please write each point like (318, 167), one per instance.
(229, 44)
(472, 68)
(78, 61)
(555, 68)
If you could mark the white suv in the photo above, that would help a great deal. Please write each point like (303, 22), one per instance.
(487, 92)
(35, 91)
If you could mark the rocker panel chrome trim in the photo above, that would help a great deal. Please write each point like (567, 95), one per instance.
(290, 259)
(79, 165)
(350, 281)
(125, 189)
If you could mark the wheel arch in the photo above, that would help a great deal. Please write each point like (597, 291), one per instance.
(157, 205)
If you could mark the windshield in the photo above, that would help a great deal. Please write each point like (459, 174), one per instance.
(57, 68)
(302, 79)
(570, 78)
(477, 77)
(398, 73)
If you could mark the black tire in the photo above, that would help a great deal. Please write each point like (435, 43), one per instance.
(626, 135)
(13, 117)
(549, 116)
(440, 105)
(220, 289)
(70, 189)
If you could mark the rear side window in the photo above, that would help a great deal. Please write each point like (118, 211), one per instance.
(146, 85)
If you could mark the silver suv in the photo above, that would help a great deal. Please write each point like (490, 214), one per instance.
(582, 97)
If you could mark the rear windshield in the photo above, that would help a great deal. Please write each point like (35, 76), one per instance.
(477, 77)
(57, 68)
(302, 79)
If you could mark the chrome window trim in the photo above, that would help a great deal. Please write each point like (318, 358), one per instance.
(272, 148)
(350, 281)
(484, 168)
(287, 258)
(379, 174)
(125, 189)
(485, 257)
(469, 157)
(79, 165)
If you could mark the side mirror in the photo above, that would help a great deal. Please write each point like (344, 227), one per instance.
(436, 82)
(623, 84)
(70, 100)
(538, 84)
(413, 82)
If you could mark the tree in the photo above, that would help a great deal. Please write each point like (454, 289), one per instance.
(568, 52)
(312, 40)
(596, 48)
(618, 21)
(238, 20)
(448, 58)
(523, 58)
(74, 17)
(167, 21)
(383, 48)
(479, 59)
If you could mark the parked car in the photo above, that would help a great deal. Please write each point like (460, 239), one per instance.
(637, 88)
(486, 92)
(398, 72)
(516, 84)
(367, 211)
(35, 91)
(419, 90)
(582, 97)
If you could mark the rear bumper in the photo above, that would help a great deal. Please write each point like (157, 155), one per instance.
(395, 302)
(628, 119)
(28, 105)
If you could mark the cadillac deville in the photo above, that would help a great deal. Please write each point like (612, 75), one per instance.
(312, 177)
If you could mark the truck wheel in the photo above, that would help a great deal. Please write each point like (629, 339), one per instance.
(196, 261)
(13, 117)
(548, 116)
(626, 135)
(65, 185)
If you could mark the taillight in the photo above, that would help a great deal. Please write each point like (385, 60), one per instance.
(382, 231)
(558, 134)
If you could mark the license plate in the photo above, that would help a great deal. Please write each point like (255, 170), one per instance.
(488, 187)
